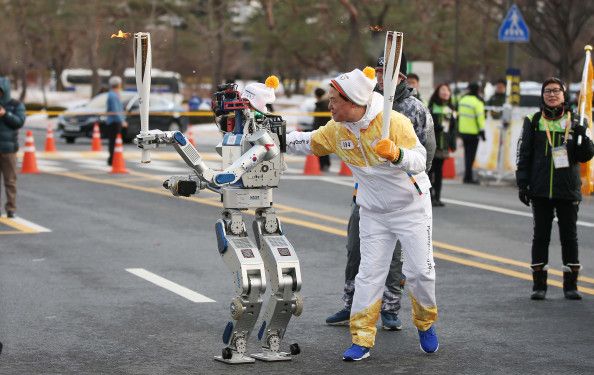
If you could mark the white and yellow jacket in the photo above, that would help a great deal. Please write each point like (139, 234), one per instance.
(383, 186)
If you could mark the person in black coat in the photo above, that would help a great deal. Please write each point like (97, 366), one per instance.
(548, 177)
(321, 106)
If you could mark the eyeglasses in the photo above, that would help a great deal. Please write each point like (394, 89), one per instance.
(552, 91)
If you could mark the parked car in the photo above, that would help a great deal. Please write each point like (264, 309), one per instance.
(79, 121)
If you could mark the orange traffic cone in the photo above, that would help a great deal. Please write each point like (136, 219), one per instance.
(96, 143)
(50, 145)
(449, 168)
(344, 170)
(191, 137)
(312, 165)
(29, 159)
(118, 164)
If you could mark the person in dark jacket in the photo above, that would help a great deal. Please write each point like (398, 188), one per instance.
(321, 106)
(498, 98)
(444, 116)
(12, 118)
(548, 176)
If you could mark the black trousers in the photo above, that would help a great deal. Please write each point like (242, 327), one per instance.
(470, 146)
(325, 162)
(112, 130)
(543, 210)
(436, 177)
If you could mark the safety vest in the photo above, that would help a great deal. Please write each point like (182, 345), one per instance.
(471, 115)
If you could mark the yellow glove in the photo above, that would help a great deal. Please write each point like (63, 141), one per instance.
(388, 150)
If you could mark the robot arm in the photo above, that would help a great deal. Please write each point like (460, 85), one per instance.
(155, 138)
(264, 148)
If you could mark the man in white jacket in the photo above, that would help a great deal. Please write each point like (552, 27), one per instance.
(392, 207)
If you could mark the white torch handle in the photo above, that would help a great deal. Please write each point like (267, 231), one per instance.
(142, 67)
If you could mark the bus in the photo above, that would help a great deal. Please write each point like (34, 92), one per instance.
(163, 83)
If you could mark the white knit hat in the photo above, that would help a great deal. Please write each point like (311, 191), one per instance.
(260, 94)
(115, 81)
(357, 85)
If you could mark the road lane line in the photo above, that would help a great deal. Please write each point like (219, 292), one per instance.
(343, 233)
(503, 271)
(22, 225)
(169, 285)
(496, 258)
(503, 210)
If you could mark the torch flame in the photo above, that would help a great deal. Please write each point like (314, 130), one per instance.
(121, 34)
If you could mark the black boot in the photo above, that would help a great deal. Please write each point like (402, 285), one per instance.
(539, 288)
(570, 276)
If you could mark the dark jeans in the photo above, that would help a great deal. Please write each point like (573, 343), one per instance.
(393, 291)
(112, 131)
(470, 146)
(436, 176)
(543, 210)
(325, 162)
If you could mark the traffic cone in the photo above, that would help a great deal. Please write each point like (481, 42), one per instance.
(50, 145)
(312, 166)
(344, 170)
(118, 164)
(96, 143)
(29, 159)
(449, 168)
(191, 137)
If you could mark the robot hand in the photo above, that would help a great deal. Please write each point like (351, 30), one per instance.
(183, 185)
(153, 138)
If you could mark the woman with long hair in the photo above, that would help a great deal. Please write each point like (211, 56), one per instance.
(444, 122)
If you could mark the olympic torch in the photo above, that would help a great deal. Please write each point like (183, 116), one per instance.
(142, 68)
(392, 56)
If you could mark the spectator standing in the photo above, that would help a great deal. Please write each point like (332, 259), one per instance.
(548, 176)
(471, 126)
(413, 81)
(321, 106)
(443, 113)
(498, 98)
(12, 118)
(116, 121)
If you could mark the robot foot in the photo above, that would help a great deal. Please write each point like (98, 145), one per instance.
(231, 357)
(268, 355)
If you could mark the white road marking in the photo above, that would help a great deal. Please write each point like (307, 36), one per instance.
(27, 223)
(169, 285)
(168, 166)
(503, 210)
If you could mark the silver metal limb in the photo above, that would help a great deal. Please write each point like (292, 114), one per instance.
(284, 277)
(243, 259)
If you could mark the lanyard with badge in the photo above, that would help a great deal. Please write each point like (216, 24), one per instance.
(560, 158)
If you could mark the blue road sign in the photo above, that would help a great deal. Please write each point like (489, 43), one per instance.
(513, 28)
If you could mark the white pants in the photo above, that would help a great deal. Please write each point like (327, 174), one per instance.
(379, 233)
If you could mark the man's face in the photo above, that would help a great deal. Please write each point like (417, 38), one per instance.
(500, 88)
(412, 82)
(379, 74)
(341, 109)
(553, 95)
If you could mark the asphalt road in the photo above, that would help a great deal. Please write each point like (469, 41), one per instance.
(68, 305)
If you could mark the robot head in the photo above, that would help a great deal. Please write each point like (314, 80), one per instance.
(261, 94)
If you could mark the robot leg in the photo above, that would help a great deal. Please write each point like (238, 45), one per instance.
(244, 260)
(282, 266)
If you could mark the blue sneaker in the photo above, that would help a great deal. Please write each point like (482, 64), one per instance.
(428, 340)
(390, 321)
(341, 318)
(355, 353)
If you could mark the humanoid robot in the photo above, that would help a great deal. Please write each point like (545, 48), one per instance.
(252, 163)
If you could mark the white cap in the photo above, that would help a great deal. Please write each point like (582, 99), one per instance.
(356, 85)
(259, 95)
(115, 81)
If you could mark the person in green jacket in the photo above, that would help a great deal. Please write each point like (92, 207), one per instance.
(12, 117)
(471, 126)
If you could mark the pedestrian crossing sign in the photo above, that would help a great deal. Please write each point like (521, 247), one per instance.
(513, 28)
